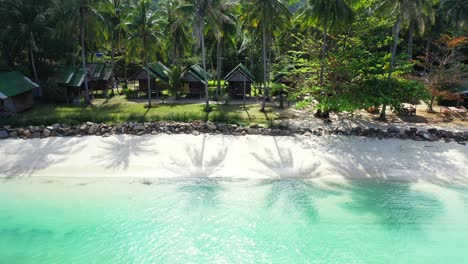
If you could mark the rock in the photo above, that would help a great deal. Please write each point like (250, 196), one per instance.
(4, 134)
(154, 132)
(307, 134)
(432, 130)
(83, 127)
(14, 134)
(211, 125)
(36, 134)
(93, 129)
(140, 133)
(106, 135)
(429, 137)
(393, 129)
(89, 123)
(46, 133)
(413, 130)
(56, 126)
(139, 127)
(255, 126)
(195, 133)
(403, 136)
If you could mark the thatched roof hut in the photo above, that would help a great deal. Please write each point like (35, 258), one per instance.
(239, 81)
(16, 92)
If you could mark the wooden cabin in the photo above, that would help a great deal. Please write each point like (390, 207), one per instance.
(70, 83)
(99, 76)
(159, 77)
(194, 80)
(239, 82)
(16, 92)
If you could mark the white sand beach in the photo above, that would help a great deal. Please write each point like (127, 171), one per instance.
(166, 156)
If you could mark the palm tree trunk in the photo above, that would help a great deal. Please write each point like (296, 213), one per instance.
(392, 62)
(33, 63)
(207, 102)
(324, 53)
(410, 40)
(264, 68)
(219, 66)
(38, 91)
(83, 55)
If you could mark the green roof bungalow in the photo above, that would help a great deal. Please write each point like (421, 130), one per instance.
(70, 81)
(194, 80)
(159, 77)
(99, 76)
(16, 92)
(239, 81)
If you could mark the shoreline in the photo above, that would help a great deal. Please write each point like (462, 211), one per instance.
(165, 156)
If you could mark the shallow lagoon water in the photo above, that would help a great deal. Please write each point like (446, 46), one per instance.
(231, 221)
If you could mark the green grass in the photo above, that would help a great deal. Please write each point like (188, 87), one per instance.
(119, 110)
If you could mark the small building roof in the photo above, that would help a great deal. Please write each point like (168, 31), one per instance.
(78, 78)
(200, 72)
(156, 70)
(190, 76)
(14, 83)
(239, 74)
(62, 74)
(107, 72)
(160, 70)
(196, 74)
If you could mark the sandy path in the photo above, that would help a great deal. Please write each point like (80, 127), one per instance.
(237, 157)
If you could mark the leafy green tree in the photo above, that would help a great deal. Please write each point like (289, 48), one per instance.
(143, 34)
(404, 11)
(85, 14)
(26, 21)
(265, 17)
(327, 14)
(457, 13)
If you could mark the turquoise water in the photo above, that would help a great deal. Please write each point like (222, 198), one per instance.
(231, 221)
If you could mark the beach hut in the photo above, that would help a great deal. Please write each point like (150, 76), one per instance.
(99, 76)
(159, 77)
(70, 82)
(16, 92)
(194, 80)
(239, 81)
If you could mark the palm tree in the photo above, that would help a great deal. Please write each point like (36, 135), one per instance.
(221, 21)
(423, 15)
(177, 30)
(202, 8)
(143, 34)
(404, 11)
(115, 12)
(265, 17)
(86, 14)
(326, 14)
(26, 19)
(457, 12)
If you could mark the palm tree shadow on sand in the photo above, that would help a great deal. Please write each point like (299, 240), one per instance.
(119, 151)
(197, 164)
(289, 185)
(38, 154)
(198, 173)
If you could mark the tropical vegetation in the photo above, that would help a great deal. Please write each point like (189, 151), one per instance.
(339, 55)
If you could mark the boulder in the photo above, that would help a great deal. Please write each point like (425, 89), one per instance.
(46, 133)
(393, 129)
(4, 134)
(36, 134)
(93, 129)
(195, 133)
(139, 127)
(211, 125)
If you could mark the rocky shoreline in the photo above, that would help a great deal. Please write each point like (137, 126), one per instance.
(198, 127)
